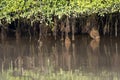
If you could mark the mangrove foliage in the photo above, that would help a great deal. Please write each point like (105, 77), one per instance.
(31, 17)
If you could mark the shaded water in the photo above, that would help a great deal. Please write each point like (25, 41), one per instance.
(84, 54)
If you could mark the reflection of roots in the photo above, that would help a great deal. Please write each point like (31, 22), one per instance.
(94, 44)
(67, 61)
(67, 42)
(18, 62)
(93, 54)
(29, 62)
(66, 54)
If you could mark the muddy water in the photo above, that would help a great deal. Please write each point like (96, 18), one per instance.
(84, 54)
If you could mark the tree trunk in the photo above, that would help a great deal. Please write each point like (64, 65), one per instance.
(73, 29)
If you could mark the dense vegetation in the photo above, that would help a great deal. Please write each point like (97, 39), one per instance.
(41, 9)
(30, 12)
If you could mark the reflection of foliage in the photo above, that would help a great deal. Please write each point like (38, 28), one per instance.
(41, 9)
(61, 75)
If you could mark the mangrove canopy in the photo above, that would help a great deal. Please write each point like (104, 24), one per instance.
(48, 12)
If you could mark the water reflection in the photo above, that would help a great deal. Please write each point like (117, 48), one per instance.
(85, 54)
(93, 54)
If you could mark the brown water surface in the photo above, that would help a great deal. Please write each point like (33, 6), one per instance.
(85, 54)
